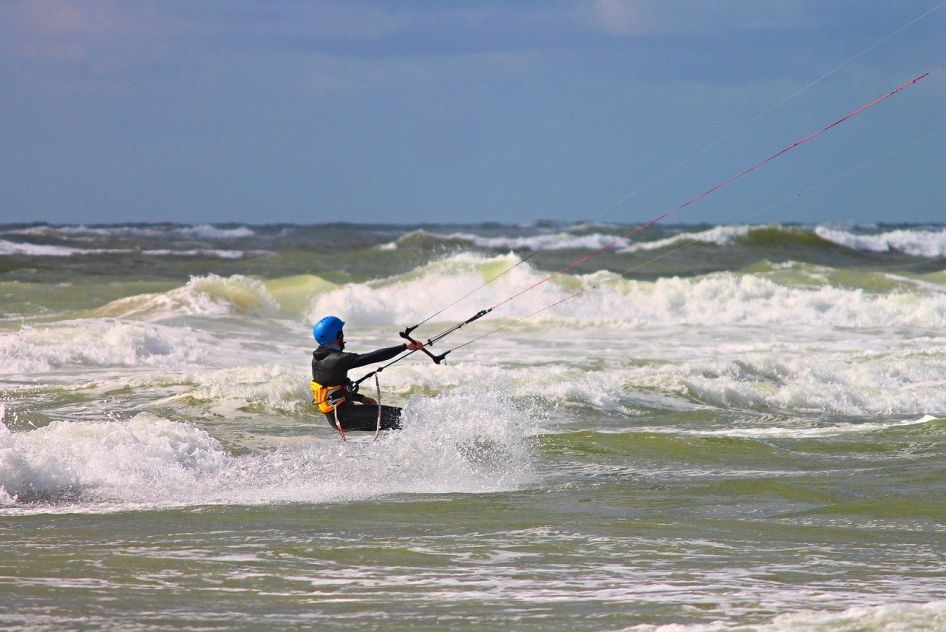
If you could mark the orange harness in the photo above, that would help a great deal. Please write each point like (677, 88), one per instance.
(328, 397)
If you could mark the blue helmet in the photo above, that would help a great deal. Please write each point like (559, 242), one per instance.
(328, 330)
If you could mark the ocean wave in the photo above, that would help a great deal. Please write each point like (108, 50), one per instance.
(201, 231)
(146, 458)
(891, 617)
(557, 241)
(917, 243)
(8, 248)
(98, 343)
(203, 252)
(40, 250)
(803, 382)
(151, 461)
(269, 388)
(718, 235)
(925, 243)
(206, 231)
(570, 240)
(601, 300)
(724, 298)
(780, 381)
(210, 295)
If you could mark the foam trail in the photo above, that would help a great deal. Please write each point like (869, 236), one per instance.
(833, 430)
(39, 250)
(892, 617)
(150, 461)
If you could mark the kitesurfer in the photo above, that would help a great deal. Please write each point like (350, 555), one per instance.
(332, 391)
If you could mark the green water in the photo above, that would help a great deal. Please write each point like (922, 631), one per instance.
(747, 435)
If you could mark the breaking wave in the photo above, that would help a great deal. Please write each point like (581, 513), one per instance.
(204, 295)
(918, 243)
(607, 299)
(150, 461)
(202, 231)
(99, 343)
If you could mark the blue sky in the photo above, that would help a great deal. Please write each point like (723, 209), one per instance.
(291, 111)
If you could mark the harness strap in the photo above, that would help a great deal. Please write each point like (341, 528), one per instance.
(338, 425)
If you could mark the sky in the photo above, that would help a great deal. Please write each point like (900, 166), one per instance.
(463, 111)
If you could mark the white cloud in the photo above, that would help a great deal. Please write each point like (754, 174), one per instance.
(620, 17)
(103, 34)
(626, 18)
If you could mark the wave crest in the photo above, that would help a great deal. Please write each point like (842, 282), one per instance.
(151, 461)
(99, 343)
(202, 296)
(918, 243)
(724, 298)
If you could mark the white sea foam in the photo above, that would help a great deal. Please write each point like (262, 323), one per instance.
(892, 617)
(206, 231)
(82, 230)
(724, 298)
(202, 231)
(144, 459)
(394, 300)
(98, 343)
(447, 446)
(40, 250)
(271, 387)
(798, 432)
(805, 380)
(791, 369)
(557, 241)
(210, 295)
(719, 235)
(919, 243)
(222, 254)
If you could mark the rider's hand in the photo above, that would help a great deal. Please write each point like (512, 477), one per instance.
(414, 346)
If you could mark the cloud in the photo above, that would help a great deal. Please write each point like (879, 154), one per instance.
(629, 18)
(101, 36)
(620, 17)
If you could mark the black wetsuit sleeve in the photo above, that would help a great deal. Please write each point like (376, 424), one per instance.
(355, 360)
(331, 367)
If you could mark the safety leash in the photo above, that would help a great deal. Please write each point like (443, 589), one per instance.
(377, 428)
(338, 425)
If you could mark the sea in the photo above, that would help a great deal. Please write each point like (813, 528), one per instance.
(702, 428)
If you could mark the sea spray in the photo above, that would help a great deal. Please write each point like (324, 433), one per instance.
(448, 445)
(99, 343)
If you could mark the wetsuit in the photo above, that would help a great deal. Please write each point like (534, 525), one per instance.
(331, 366)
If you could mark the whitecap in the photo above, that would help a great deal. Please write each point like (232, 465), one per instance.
(919, 243)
